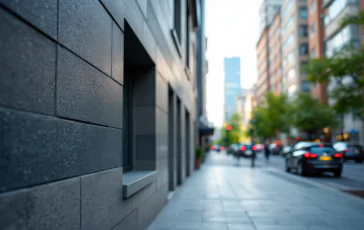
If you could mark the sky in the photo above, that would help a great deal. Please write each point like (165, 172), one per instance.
(232, 30)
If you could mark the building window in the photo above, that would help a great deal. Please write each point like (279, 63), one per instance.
(304, 49)
(312, 29)
(177, 19)
(288, 24)
(313, 53)
(305, 87)
(303, 12)
(303, 64)
(287, 8)
(336, 8)
(342, 38)
(303, 30)
(312, 6)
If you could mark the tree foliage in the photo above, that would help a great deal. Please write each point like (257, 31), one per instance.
(234, 135)
(309, 115)
(344, 70)
(271, 117)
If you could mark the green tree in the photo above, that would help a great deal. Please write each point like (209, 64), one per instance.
(309, 115)
(235, 134)
(344, 70)
(272, 117)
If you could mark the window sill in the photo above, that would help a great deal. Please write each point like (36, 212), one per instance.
(188, 73)
(134, 181)
(176, 42)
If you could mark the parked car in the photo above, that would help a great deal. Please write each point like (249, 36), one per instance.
(215, 148)
(246, 150)
(308, 157)
(260, 148)
(275, 149)
(232, 149)
(286, 150)
(350, 151)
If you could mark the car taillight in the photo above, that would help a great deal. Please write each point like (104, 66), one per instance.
(310, 155)
(243, 148)
(222, 148)
(338, 155)
(254, 148)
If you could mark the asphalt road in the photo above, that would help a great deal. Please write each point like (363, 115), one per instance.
(352, 177)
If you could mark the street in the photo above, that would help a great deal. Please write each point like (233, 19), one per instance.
(352, 177)
(226, 195)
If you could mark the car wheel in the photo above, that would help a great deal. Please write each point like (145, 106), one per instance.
(300, 170)
(337, 173)
(359, 161)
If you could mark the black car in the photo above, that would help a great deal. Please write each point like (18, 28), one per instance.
(246, 150)
(309, 157)
(350, 151)
(232, 148)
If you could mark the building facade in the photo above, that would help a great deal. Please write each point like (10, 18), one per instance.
(294, 46)
(316, 46)
(335, 38)
(232, 87)
(275, 55)
(97, 110)
(268, 10)
(262, 86)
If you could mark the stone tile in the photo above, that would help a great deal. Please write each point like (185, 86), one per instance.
(149, 42)
(42, 14)
(117, 9)
(142, 125)
(87, 31)
(280, 227)
(145, 147)
(188, 225)
(86, 94)
(143, 6)
(102, 204)
(52, 206)
(117, 58)
(130, 222)
(134, 17)
(30, 83)
(217, 226)
(37, 149)
(241, 227)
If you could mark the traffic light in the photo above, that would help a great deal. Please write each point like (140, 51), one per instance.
(228, 128)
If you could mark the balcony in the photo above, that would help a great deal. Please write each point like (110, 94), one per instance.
(326, 3)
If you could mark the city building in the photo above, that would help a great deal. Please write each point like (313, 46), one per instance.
(97, 110)
(232, 86)
(262, 86)
(244, 107)
(275, 55)
(315, 31)
(295, 51)
(335, 38)
(268, 9)
(205, 128)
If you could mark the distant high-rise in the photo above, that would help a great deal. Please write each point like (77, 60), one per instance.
(267, 11)
(232, 87)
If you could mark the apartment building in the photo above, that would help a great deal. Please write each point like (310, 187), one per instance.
(232, 86)
(267, 11)
(275, 55)
(97, 110)
(262, 86)
(335, 38)
(315, 31)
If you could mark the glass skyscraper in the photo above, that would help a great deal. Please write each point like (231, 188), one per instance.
(232, 87)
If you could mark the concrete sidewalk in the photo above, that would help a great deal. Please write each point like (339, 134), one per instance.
(224, 196)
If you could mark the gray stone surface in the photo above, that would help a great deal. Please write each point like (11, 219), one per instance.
(135, 18)
(117, 70)
(145, 89)
(145, 147)
(216, 198)
(162, 93)
(86, 94)
(102, 204)
(52, 206)
(135, 181)
(85, 27)
(143, 125)
(117, 9)
(27, 64)
(37, 149)
(130, 222)
(42, 13)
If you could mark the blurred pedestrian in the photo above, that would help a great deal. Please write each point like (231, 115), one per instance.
(266, 150)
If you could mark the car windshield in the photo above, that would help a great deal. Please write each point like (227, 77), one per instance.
(322, 150)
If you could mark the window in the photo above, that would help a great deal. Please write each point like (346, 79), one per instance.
(288, 24)
(312, 6)
(292, 90)
(336, 8)
(345, 36)
(312, 29)
(287, 8)
(288, 42)
(177, 19)
(303, 30)
(303, 12)
(303, 64)
(291, 74)
(304, 49)
(305, 87)
(313, 53)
